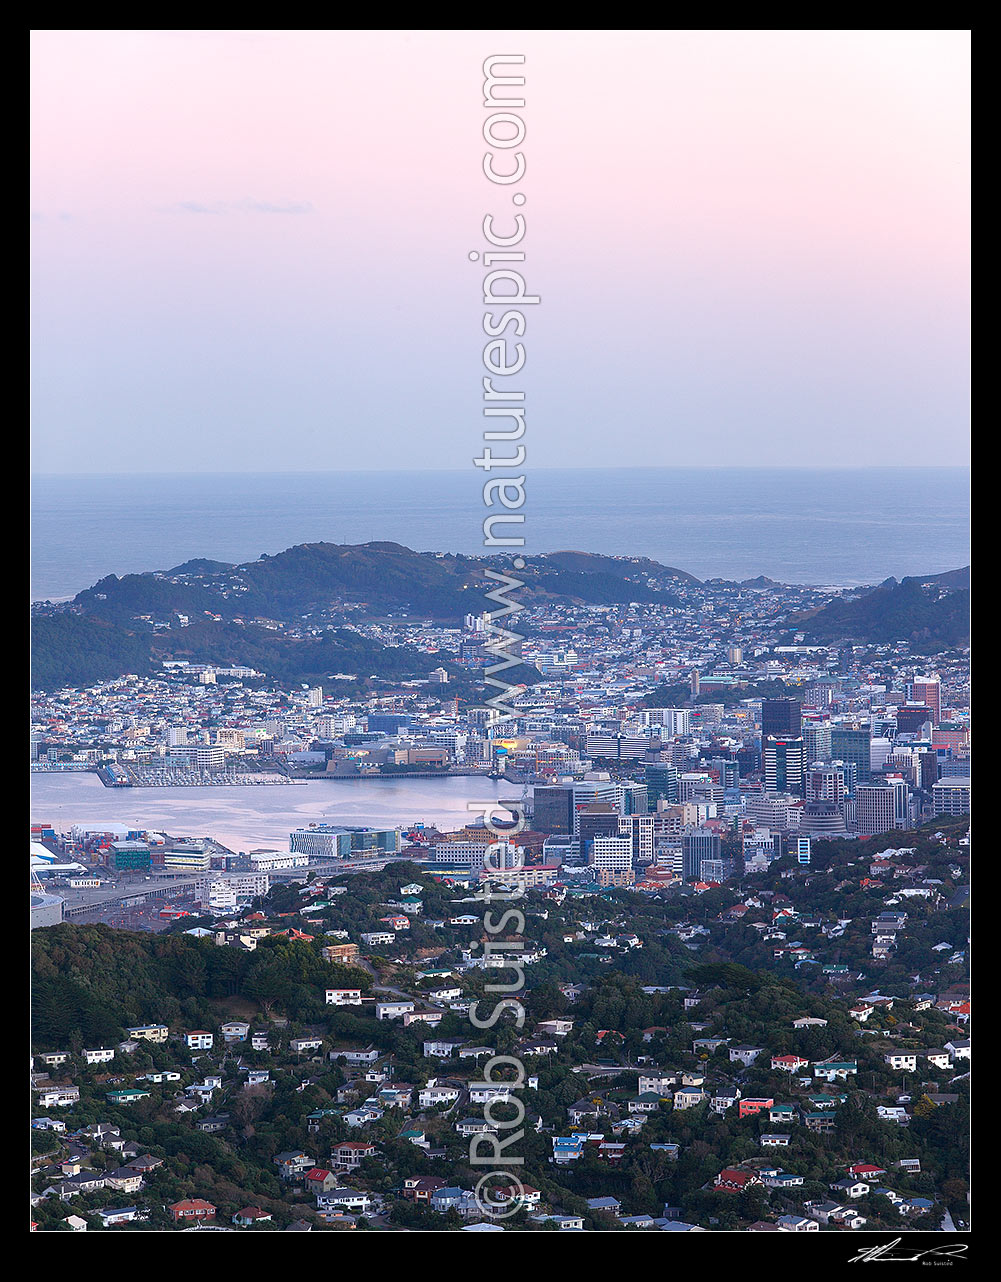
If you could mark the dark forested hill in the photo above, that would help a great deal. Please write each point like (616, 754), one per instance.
(109, 629)
(924, 612)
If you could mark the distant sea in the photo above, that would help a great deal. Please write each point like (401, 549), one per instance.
(825, 527)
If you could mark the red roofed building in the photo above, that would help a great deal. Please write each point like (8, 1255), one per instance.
(734, 1181)
(863, 1169)
(251, 1215)
(192, 1208)
(320, 1180)
(753, 1105)
(789, 1063)
(419, 1188)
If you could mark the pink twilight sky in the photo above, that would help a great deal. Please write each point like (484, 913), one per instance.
(250, 249)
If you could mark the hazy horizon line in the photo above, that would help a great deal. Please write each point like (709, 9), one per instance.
(598, 467)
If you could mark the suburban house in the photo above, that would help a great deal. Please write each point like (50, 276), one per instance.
(735, 1181)
(343, 997)
(192, 1208)
(393, 1010)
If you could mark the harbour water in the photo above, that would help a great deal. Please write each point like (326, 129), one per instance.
(262, 818)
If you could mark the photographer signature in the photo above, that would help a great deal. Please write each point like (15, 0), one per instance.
(888, 1252)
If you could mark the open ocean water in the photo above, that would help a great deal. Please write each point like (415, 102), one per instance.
(797, 525)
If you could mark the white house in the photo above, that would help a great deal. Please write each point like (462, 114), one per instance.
(343, 997)
(103, 1055)
(393, 1010)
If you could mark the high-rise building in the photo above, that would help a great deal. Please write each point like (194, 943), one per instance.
(913, 717)
(783, 764)
(640, 829)
(698, 845)
(553, 809)
(951, 796)
(599, 819)
(661, 782)
(716, 871)
(825, 781)
(817, 740)
(901, 796)
(927, 690)
(611, 853)
(674, 721)
(781, 717)
(852, 743)
(875, 809)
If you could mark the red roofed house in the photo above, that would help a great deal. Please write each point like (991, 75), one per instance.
(192, 1208)
(864, 1169)
(753, 1105)
(418, 1188)
(734, 1181)
(789, 1063)
(319, 1180)
(251, 1215)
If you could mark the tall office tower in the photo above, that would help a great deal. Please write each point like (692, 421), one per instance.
(849, 772)
(825, 782)
(783, 764)
(951, 796)
(929, 770)
(748, 758)
(708, 716)
(913, 717)
(727, 770)
(875, 809)
(697, 845)
(781, 717)
(817, 740)
(927, 690)
(661, 783)
(905, 762)
(599, 819)
(734, 654)
(901, 796)
(687, 783)
(634, 798)
(803, 850)
(851, 743)
(668, 853)
(716, 871)
(694, 682)
(640, 830)
(879, 750)
(611, 853)
(821, 694)
(315, 699)
(674, 721)
(769, 810)
(553, 809)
